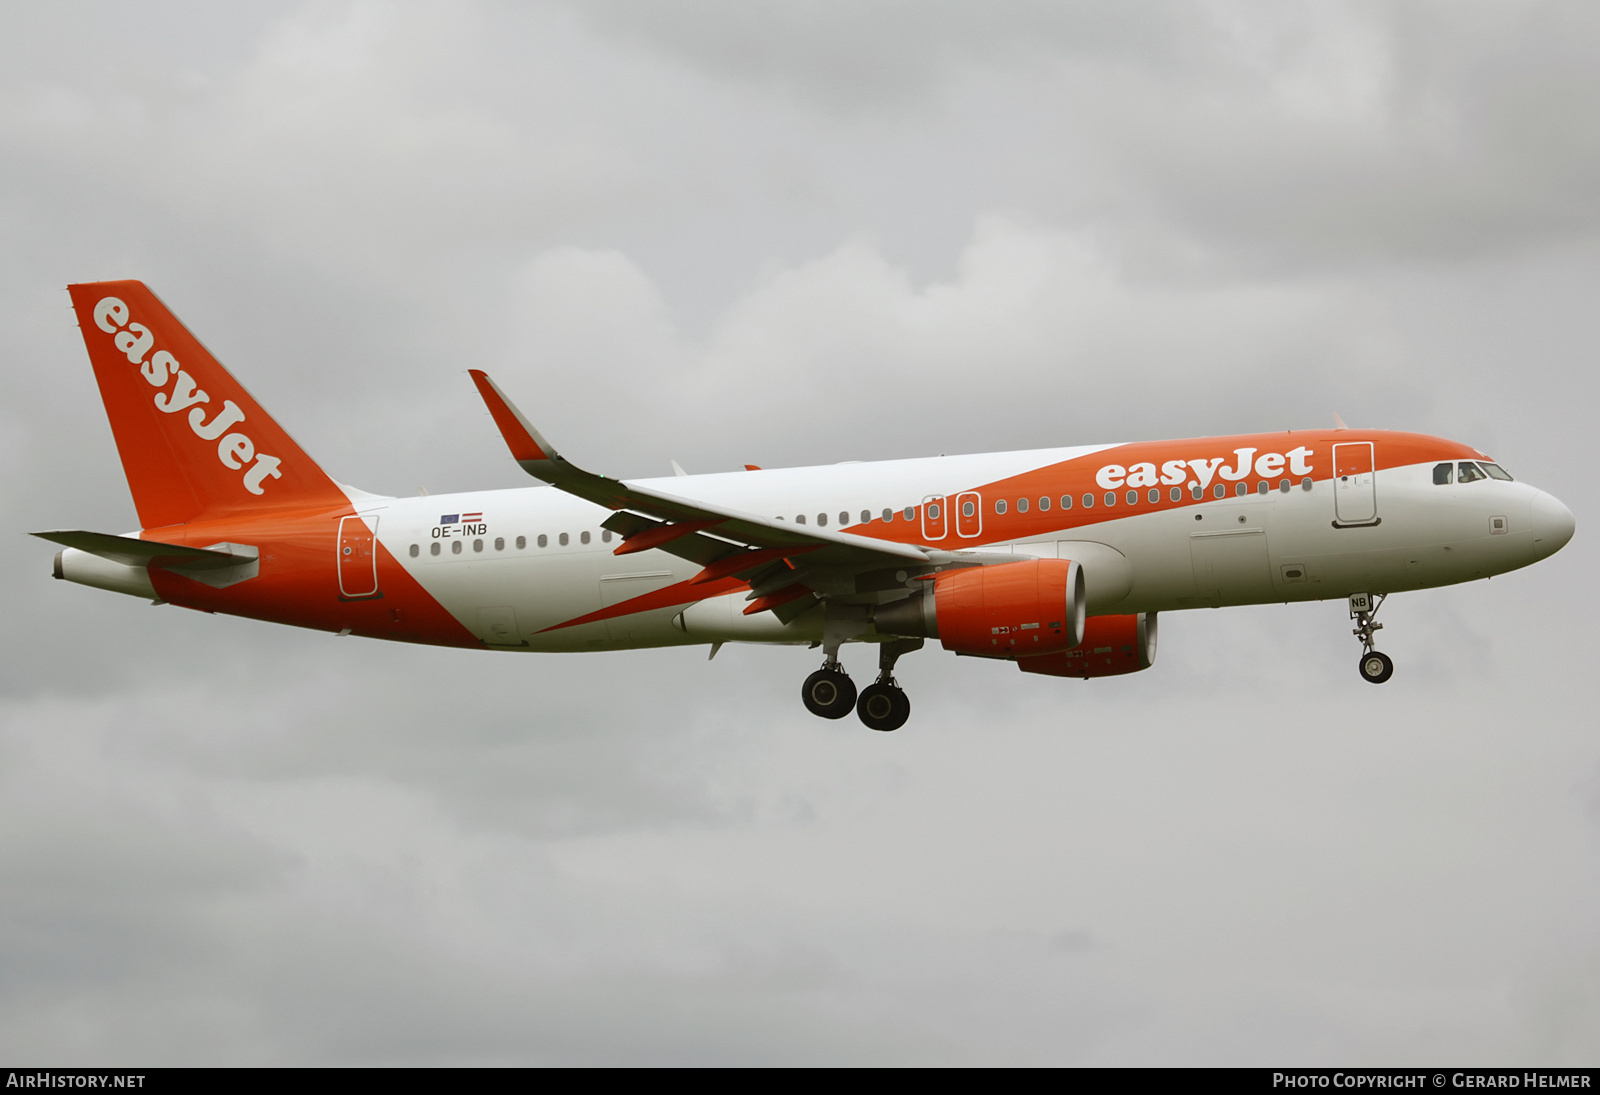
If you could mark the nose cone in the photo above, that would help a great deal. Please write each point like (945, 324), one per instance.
(1552, 524)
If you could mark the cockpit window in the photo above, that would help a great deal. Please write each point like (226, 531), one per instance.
(1469, 472)
(1495, 471)
(1442, 476)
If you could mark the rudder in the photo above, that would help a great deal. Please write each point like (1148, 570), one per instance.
(192, 440)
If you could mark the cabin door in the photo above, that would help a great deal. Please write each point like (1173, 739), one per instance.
(1355, 487)
(358, 557)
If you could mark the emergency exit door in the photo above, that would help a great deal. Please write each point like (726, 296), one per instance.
(358, 557)
(1355, 486)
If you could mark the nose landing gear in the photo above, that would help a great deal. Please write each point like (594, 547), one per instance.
(1376, 667)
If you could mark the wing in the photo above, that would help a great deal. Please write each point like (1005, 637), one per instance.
(784, 563)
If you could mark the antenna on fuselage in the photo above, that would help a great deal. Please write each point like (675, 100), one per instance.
(1338, 423)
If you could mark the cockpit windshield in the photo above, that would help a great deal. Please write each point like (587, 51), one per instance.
(1467, 471)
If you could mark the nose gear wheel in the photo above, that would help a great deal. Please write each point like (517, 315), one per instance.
(1376, 667)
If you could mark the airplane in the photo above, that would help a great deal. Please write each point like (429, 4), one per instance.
(1059, 560)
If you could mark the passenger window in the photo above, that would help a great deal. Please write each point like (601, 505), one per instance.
(1305, 484)
(1197, 492)
(1022, 505)
(522, 542)
(1241, 488)
(605, 536)
(909, 513)
(563, 539)
(1111, 498)
(866, 515)
(455, 547)
(544, 541)
(968, 509)
(477, 545)
(1066, 501)
(1496, 471)
(1443, 474)
(888, 515)
(415, 551)
(1133, 497)
(799, 518)
(933, 511)
(583, 537)
(1155, 494)
(499, 543)
(1468, 472)
(1219, 490)
(822, 520)
(1044, 504)
(844, 517)
(1283, 486)
(1088, 501)
(1263, 486)
(433, 548)
(1176, 494)
(999, 505)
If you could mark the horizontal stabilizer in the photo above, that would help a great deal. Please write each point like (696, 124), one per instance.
(143, 553)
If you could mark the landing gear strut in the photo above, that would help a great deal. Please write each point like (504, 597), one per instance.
(1375, 667)
(883, 704)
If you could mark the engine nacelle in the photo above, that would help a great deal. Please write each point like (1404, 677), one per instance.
(1111, 645)
(1013, 610)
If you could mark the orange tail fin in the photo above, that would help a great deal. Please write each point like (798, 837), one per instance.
(192, 440)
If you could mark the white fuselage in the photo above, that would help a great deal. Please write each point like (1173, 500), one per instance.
(1278, 546)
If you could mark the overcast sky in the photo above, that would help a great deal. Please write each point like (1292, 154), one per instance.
(792, 233)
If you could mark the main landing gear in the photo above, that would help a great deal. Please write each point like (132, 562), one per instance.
(829, 692)
(883, 705)
(1376, 667)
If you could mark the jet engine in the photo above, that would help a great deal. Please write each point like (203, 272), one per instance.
(1013, 610)
(1111, 645)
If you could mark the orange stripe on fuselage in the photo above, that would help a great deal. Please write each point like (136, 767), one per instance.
(1077, 477)
(298, 582)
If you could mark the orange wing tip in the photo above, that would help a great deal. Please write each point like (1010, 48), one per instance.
(513, 427)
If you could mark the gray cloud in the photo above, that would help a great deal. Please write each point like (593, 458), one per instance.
(772, 234)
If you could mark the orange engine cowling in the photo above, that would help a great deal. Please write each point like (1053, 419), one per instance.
(1013, 610)
(1111, 645)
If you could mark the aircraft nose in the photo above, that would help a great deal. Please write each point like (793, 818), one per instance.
(1553, 524)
